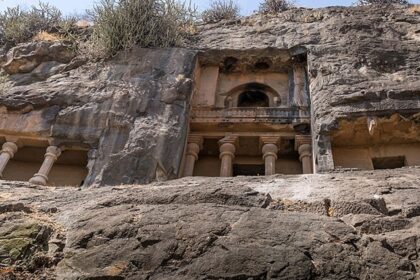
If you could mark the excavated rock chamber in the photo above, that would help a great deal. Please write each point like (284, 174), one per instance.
(377, 143)
(250, 114)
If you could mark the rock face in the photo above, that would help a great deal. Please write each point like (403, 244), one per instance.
(359, 225)
(361, 61)
(132, 112)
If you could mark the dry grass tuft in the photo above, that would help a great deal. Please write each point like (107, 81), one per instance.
(20, 25)
(50, 37)
(221, 10)
(121, 25)
(275, 6)
(415, 9)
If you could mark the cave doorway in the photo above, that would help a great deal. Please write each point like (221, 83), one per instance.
(388, 162)
(248, 170)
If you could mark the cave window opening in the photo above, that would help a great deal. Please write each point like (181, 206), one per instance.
(248, 170)
(253, 98)
(388, 162)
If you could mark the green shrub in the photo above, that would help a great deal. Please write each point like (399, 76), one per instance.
(381, 2)
(221, 10)
(122, 24)
(274, 6)
(18, 25)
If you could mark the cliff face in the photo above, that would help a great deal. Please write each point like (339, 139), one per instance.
(360, 225)
(131, 112)
(361, 61)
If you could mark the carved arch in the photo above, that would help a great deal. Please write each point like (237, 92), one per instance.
(252, 95)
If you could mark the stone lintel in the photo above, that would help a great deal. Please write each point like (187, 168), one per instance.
(56, 142)
(22, 140)
(302, 140)
(13, 139)
(16, 140)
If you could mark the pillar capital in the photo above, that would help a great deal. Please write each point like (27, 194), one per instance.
(302, 140)
(270, 140)
(305, 150)
(227, 149)
(9, 148)
(227, 154)
(194, 146)
(53, 151)
(196, 139)
(229, 139)
(228, 145)
(270, 150)
(193, 149)
(303, 144)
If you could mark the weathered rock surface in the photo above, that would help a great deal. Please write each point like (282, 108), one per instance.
(201, 228)
(362, 61)
(34, 61)
(132, 111)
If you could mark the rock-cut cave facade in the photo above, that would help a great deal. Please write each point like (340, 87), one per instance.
(248, 113)
(250, 116)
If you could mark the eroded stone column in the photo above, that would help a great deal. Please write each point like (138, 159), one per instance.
(227, 155)
(300, 97)
(269, 151)
(195, 144)
(7, 152)
(51, 156)
(304, 147)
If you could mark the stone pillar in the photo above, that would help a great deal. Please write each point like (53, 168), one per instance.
(51, 156)
(269, 151)
(8, 151)
(227, 155)
(195, 144)
(300, 97)
(323, 154)
(303, 144)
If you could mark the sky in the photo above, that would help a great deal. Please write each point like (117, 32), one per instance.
(247, 6)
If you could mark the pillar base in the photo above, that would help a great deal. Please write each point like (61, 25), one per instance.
(39, 179)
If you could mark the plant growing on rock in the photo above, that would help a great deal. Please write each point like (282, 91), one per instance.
(221, 10)
(275, 6)
(381, 2)
(18, 25)
(123, 24)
